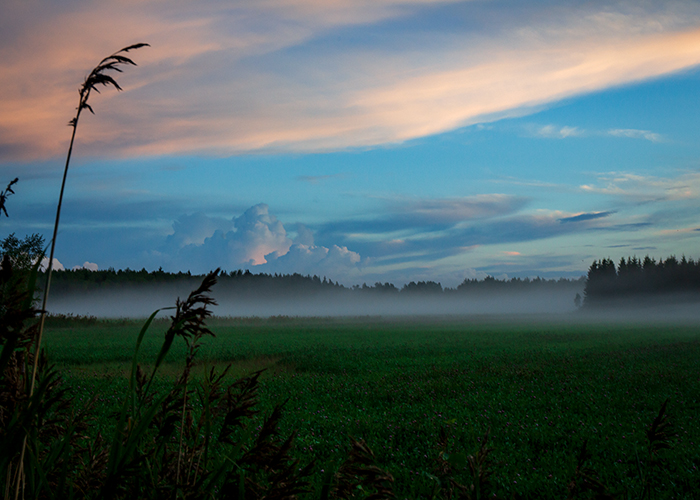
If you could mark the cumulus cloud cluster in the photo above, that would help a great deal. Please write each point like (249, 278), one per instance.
(57, 266)
(254, 240)
(306, 75)
(90, 266)
(316, 260)
(243, 241)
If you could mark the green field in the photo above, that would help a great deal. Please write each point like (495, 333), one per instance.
(541, 388)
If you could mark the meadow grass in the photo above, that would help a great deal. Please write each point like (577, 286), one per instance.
(541, 389)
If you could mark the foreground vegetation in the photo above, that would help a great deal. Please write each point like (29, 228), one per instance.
(567, 408)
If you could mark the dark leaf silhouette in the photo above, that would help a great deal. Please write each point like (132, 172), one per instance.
(4, 194)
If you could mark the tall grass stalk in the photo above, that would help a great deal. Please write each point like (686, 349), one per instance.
(97, 76)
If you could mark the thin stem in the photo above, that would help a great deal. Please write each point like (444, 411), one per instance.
(50, 265)
(19, 476)
(8, 481)
(182, 432)
(40, 334)
(96, 77)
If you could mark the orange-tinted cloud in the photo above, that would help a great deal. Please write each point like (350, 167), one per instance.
(227, 77)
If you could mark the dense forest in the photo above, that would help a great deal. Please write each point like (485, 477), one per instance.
(247, 283)
(641, 281)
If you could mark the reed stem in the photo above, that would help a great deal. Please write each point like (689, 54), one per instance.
(96, 77)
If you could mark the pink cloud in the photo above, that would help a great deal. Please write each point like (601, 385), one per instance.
(217, 79)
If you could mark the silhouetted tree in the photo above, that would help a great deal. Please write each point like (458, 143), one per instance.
(23, 253)
(601, 283)
(640, 279)
(430, 287)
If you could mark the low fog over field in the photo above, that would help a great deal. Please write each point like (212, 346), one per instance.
(505, 306)
(142, 302)
(135, 294)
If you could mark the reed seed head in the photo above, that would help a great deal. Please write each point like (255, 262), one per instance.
(98, 76)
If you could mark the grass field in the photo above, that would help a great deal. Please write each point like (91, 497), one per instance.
(540, 388)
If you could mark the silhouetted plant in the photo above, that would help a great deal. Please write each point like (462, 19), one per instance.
(23, 253)
(585, 482)
(192, 441)
(98, 76)
(453, 467)
(658, 439)
(4, 194)
(360, 477)
(44, 422)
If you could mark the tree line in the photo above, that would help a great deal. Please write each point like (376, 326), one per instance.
(243, 282)
(278, 284)
(635, 278)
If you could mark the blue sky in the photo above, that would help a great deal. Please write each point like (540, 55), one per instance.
(364, 141)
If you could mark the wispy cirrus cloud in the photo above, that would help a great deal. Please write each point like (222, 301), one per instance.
(425, 215)
(457, 240)
(428, 230)
(636, 134)
(551, 131)
(456, 210)
(303, 75)
(556, 132)
(645, 188)
(515, 181)
(317, 179)
(680, 231)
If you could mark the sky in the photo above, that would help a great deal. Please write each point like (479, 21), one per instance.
(364, 141)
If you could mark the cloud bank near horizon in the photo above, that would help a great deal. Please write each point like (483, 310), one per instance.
(223, 78)
(396, 238)
(430, 229)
